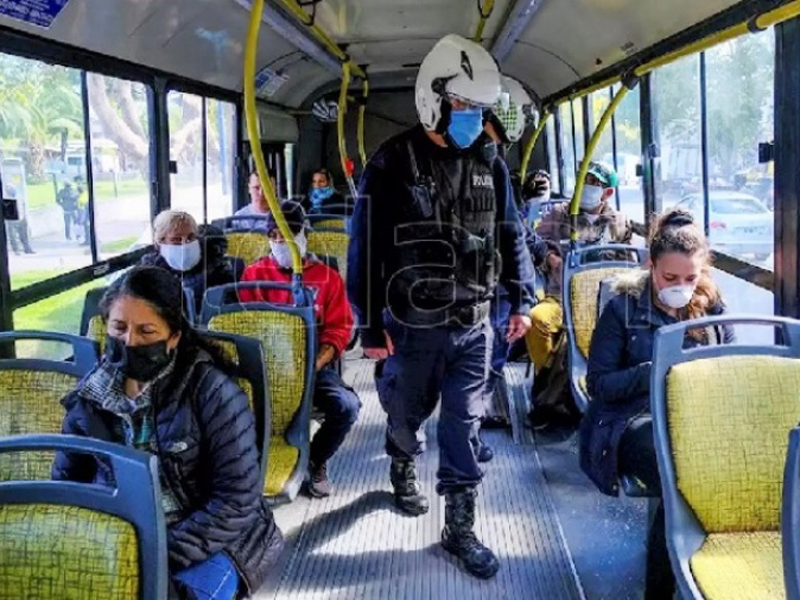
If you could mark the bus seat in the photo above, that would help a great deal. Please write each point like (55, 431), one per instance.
(327, 222)
(91, 309)
(246, 356)
(31, 390)
(248, 246)
(74, 540)
(333, 242)
(288, 337)
(790, 517)
(722, 416)
(581, 283)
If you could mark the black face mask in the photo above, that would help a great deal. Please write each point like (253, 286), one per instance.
(142, 363)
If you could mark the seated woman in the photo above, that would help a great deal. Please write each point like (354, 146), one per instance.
(617, 432)
(323, 197)
(197, 265)
(161, 389)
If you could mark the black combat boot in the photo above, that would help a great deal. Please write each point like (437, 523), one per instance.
(459, 539)
(407, 492)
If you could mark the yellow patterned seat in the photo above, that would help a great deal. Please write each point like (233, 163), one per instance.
(74, 541)
(30, 398)
(329, 224)
(727, 421)
(249, 246)
(97, 332)
(332, 243)
(52, 551)
(584, 286)
(284, 337)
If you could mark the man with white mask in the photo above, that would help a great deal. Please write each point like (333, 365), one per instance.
(598, 223)
(337, 401)
(197, 260)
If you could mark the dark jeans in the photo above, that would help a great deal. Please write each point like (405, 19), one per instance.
(340, 405)
(70, 218)
(17, 233)
(451, 362)
(637, 456)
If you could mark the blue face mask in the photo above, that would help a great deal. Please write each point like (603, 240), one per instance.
(465, 126)
(319, 195)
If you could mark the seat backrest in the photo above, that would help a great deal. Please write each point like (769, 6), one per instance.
(790, 517)
(91, 311)
(71, 540)
(722, 415)
(328, 222)
(333, 242)
(248, 246)
(246, 356)
(31, 390)
(581, 283)
(288, 339)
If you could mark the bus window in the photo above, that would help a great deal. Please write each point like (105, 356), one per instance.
(677, 100)
(629, 151)
(552, 155)
(598, 103)
(580, 140)
(120, 137)
(220, 135)
(740, 85)
(567, 149)
(186, 150)
(43, 169)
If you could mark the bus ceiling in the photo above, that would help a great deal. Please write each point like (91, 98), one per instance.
(549, 45)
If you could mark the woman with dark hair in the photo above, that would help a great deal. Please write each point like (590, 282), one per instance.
(323, 197)
(617, 432)
(162, 389)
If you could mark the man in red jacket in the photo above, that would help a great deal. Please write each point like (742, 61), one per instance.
(332, 396)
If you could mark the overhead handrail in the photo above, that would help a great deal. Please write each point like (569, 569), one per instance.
(322, 36)
(526, 157)
(347, 164)
(362, 111)
(574, 206)
(251, 116)
(485, 12)
(752, 25)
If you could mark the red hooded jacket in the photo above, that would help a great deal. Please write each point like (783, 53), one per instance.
(334, 316)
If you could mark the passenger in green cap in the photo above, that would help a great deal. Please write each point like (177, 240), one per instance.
(598, 223)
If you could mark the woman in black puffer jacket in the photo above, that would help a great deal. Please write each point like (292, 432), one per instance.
(617, 432)
(161, 389)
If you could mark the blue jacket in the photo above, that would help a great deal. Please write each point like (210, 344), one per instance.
(385, 185)
(207, 456)
(618, 377)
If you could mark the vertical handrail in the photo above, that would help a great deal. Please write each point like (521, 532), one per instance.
(526, 157)
(253, 134)
(347, 164)
(362, 110)
(484, 11)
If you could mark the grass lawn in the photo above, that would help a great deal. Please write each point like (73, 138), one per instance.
(61, 312)
(43, 194)
(118, 246)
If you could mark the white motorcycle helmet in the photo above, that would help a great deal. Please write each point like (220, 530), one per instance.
(509, 120)
(455, 68)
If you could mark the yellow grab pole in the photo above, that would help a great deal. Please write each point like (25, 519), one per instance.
(574, 206)
(526, 157)
(251, 116)
(345, 160)
(322, 36)
(485, 11)
(362, 111)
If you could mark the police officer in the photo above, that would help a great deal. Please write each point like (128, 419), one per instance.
(434, 227)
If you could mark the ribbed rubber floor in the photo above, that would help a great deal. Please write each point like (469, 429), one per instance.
(356, 545)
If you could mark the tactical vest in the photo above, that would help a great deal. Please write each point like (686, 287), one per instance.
(444, 255)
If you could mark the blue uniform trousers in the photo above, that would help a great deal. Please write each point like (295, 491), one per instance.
(429, 363)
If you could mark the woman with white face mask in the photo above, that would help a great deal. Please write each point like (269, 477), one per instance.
(199, 262)
(617, 432)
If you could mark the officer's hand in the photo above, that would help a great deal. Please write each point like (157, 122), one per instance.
(381, 353)
(518, 326)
